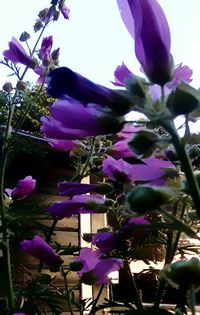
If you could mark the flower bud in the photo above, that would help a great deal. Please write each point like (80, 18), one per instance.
(21, 86)
(7, 87)
(147, 198)
(56, 15)
(38, 25)
(183, 273)
(24, 37)
(43, 14)
(183, 100)
(144, 143)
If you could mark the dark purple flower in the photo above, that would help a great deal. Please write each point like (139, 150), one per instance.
(78, 204)
(72, 188)
(117, 170)
(40, 249)
(23, 189)
(121, 74)
(45, 49)
(71, 120)
(64, 83)
(94, 268)
(105, 241)
(150, 30)
(19, 314)
(132, 228)
(17, 54)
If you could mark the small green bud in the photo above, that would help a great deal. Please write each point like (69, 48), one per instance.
(75, 266)
(183, 273)
(144, 143)
(89, 278)
(56, 15)
(7, 87)
(24, 37)
(148, 198)
(21, 86)
(43, 14)
(183, 100)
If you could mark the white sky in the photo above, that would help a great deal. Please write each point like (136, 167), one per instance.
(94, 41)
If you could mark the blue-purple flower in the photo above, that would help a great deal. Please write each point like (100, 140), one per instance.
(78, 204)
(63, 83)
(73, 188)
(71, 120)
(147, 23)
(17, 54)
(96, 269)
(24, 187)
(117, 170)
(105, 241)
(40, 249)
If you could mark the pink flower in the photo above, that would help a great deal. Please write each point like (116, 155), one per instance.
(94, 268)
(23, 189)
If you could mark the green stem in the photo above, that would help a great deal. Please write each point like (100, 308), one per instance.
(192, 298)
(136, 294)
(186, 164)
(67, 294)
(96, 300)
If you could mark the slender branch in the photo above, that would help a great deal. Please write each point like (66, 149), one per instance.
(67, 294)
(96, 300)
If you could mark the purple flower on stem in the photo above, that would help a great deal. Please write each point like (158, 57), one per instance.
(71, 120)
(23, 189)
(65, 11)
(128, 131)
(64, 83)
(17, 54)
(182, 74)
(105, 241)
(147, 24)
(78, 204)
(19, 314)
(45, 49)
(94, 268)
(72, 188)
(132, 228)
(121, 150)
(117, 170)
(121, 74)
(40, 249)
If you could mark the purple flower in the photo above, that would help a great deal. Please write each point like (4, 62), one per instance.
(152, 171)
(94, 268)
(105, 241)
(78, 204)
(132, 228)
(71, 120)
(19, 314)
(150, 30)
(117, 170)
(72, 188)
(40, 249)
(64, 83)
(65, 145)
(121, 74)
(23, 189)
(65, 11)
(121, 150)
(45, 49)
(17, 54)
(182, 74)
(128, 131)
